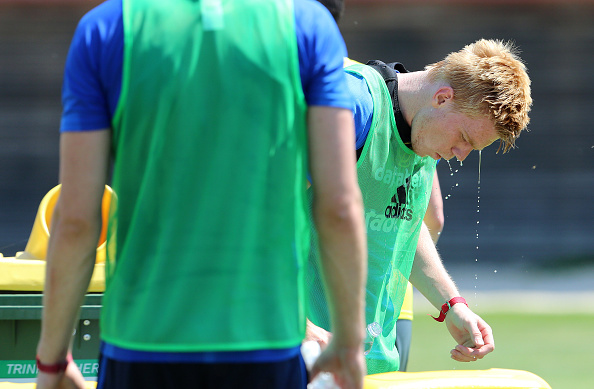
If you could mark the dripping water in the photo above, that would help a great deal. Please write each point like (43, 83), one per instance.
(479, 173)
(452, 171)
(478, 206)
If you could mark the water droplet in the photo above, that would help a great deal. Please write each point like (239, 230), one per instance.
(494, 271)
(478, 201)
(456, 184)
(479, 173)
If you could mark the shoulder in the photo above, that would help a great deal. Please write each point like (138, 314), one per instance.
(103, 16)
(321, 52)
(310, 8)
(315, 25)
(93, 69)
(98, 28)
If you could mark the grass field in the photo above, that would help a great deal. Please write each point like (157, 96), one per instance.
(558, 348)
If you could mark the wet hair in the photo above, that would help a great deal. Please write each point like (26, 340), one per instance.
(489, 78)
(336, 8)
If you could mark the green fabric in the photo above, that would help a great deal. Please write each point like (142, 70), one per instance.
(210, 147)
(396, 186)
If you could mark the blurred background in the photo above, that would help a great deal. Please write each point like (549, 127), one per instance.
(530, 224)
(535, 201)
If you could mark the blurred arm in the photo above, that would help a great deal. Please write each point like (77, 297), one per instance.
(338, 215)
(75, 229)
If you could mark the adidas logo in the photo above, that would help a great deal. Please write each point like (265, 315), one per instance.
(400, 210)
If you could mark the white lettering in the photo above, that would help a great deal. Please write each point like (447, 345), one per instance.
(18, 369)
(377, 222)
(10, 365)
(388, 225)
(369, 215)
(388, 177)
(95, 369)
(30, 369)
(395, 176)
(379, 174)
(400, 178)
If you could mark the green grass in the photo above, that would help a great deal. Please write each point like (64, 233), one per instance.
(558, 348)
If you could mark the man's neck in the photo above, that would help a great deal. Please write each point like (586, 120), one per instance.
(412, 94)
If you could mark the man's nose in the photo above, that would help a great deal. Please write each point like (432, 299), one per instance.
(462, 152)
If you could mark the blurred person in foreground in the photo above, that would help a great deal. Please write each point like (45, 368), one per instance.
(211, 111)
(465, 102)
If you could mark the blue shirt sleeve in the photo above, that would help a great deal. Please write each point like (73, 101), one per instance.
(362, 107)
(93, 73)
(321, 56)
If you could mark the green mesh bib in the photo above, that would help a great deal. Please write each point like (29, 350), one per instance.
(210, 146)
(396, 185)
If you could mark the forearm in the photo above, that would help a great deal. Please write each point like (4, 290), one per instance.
(338, 215)
(343, 251)
(428, 274)
(473, 335)
(434, 219)
(70, 264)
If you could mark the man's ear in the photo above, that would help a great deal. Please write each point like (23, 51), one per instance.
(443, 95)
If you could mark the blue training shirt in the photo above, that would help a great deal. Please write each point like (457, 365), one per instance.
(92, 86)
(93, 74)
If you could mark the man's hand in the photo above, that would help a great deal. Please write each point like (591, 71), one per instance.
(473, 334)
(347, 364)
(70, 379)
(320, 335)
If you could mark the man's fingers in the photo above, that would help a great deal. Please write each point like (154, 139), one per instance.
(476, 336)
(487, 335)
(468, 354)
(460, 356)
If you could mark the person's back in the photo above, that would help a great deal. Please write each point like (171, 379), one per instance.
(200, 182)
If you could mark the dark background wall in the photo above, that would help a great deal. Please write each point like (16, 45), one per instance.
(535, 201)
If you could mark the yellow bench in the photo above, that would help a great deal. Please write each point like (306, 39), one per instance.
(26, 270)
(454, 379)
(457, 379)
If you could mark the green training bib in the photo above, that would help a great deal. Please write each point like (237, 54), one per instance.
(208, 240)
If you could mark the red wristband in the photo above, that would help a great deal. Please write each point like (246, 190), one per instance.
(446, 307)
(54, 368)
